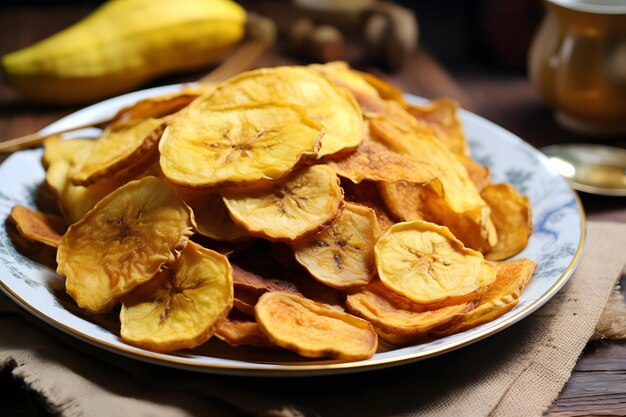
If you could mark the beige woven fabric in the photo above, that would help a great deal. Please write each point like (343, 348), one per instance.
(517, 372)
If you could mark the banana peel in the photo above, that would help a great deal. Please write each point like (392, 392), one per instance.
(122, 45)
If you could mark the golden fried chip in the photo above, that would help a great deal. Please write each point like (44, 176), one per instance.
(511, 214)
(36, 251)
(397, 319)
(117, 150)
(373, 160)
(123, 242)
(454, 200)
(55, 149)
(405, 200)
(342, 255)
(425, 263)
(334, 107)
(367, 194)
(236, 145)
(239, 332)
(212, 218)
(37, 226)
(479, 174)
(441, 115)
(385, 90)
(257, 284)
(154, 107)
(306, 201)
(245, 300)
(182, 307)
(314, 330)
(501, 296)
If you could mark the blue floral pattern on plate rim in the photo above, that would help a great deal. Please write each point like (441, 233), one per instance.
(556, 245)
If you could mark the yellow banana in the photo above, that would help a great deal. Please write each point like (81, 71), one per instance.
(122, 45)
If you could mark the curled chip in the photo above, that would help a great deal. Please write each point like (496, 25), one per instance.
(342, 255)
(37, 226)
(155, 107)
(182, 307)
(123, 242)
(367, 194)
(57, 149)
(118, 149)
(240, 332)
(257, 284)
(454, 200)
(314, 330)
(212, 218)
(306, 201)
(245, 301)
(397, 319)
(425, 263)
(373, 160)
(501, 296)
(236, 145)
(441, 116)
(511, 215)
(406, 201)
(334, 107)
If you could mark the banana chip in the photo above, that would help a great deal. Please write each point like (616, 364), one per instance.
(155, 107)
(454, 200)
(239, 332)
(441, 116)
(342, 255)
(123, 242)
(425, 263)
(406, 201)
(257, 284)
(367, 194)
(397, 319)
(236, 145)
(117, 150)
(212, 218)
(182, 307)
(306, 201)
(334, 107)
(37, 226)
(314, 330)
(374, 161)
(501, 296)
(511, 215)
(245, 301)
(57, 149)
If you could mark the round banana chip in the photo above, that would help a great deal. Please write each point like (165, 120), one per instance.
(342, 255)
(235, 145)
(123, 242)
(118, 149)
(425, 263)
(334, 107)
(182, 307)
(397, 319)
(314, 330)
(212, 218)
(306, 201)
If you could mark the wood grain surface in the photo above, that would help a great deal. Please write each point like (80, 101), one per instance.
(598, 383)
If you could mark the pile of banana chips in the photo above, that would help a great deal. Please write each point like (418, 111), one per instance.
(303, 208)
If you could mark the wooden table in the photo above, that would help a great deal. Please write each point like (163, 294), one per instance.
(598, 384)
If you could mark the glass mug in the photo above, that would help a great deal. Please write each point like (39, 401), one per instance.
(578, 61)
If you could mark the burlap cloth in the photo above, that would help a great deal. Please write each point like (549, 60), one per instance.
(518, 372)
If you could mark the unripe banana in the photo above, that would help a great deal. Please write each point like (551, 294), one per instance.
(122, 45)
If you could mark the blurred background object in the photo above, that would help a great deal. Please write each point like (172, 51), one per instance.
(578, 62)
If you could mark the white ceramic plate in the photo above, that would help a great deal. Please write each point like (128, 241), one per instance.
(556, 244)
